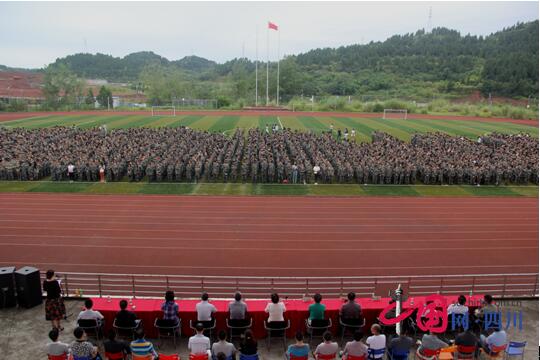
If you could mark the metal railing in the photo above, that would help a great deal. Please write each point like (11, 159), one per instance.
(76, 284)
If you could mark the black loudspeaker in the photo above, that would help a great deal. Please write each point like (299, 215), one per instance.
(28, 283)
(7, 287)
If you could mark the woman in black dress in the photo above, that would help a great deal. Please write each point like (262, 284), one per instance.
(55, 310)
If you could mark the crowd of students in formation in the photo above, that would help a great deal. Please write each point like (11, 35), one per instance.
(375, 346)
(186, 155)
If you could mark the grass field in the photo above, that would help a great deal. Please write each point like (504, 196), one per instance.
(401, 129)
(265, 189)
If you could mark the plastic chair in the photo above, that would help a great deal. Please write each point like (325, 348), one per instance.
(115, 356)
(465, 352)
(141, 357)
(121, 329)
(516, 349)
(398, 355)
(292, 357)
(169, 357)
(310, 329)
(90, 326)
(447, 353)
(168, 331)
(203, 356)
(249, 357)
(427, 354)
(241, 329)
(58, 357)
(81, 357)
(374, 353)
(351, 357)
(326, 356)
(206, 328)
(495, 351)
(345, 326)
(270, 330)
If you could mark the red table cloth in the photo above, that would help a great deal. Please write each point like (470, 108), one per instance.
(297, 312)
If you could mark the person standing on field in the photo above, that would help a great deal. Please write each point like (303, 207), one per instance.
(101, 174)
(316, 170)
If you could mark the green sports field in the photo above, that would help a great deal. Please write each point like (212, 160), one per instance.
(402, 129)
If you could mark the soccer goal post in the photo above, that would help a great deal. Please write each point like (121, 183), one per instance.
(163, 110)
(395, 114)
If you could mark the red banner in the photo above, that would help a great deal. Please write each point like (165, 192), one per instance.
(272, 26)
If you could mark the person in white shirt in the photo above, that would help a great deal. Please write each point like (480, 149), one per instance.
(460, 308)
(223, 346)
(316, 170)
(89, 314)
(205, 310)
(377, 341)
(327, 347)
(353, 134)
(198, 343)
(56, 348)
(71, 172)
(356, 347)
(275, 310)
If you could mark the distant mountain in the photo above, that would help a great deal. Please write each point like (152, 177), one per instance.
(194, 63)
(129, 67)
(415, 65)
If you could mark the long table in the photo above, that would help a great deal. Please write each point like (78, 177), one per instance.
(297, 312)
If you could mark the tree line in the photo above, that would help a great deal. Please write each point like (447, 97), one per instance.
(412, 66)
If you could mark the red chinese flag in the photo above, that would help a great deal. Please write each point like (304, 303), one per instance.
(272, 26)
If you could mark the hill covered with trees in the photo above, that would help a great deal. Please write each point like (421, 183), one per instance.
(423, 65)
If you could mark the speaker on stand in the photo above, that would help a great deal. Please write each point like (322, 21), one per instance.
(28, 284)
(7, 287)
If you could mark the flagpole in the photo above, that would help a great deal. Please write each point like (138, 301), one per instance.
(277, 96)
(267, 61)
(256, 66)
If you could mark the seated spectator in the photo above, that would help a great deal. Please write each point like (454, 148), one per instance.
(170, 311)
(377, 340)
(401, 344)
(487, 307)
(248, 345)
(126, 318)
(238, 311)
(56, 348)
(298, 349)
(431, 342)
(467, 338)
(351, 312)
(275, 310)
(327, 347)
(460, 308)
(81, 347)
(497, 338)
(223, 346)
(113, 346)
(205, 311)
(89, 314)
(356, 347)
(142, 347)
(316, 312)
(198, 343)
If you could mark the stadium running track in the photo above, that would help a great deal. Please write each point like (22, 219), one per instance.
(273, 236)
(15, 116)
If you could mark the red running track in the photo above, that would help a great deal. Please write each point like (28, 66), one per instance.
(287, 236)
(15, 116)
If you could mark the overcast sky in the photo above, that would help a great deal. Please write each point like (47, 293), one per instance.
(35, 34)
